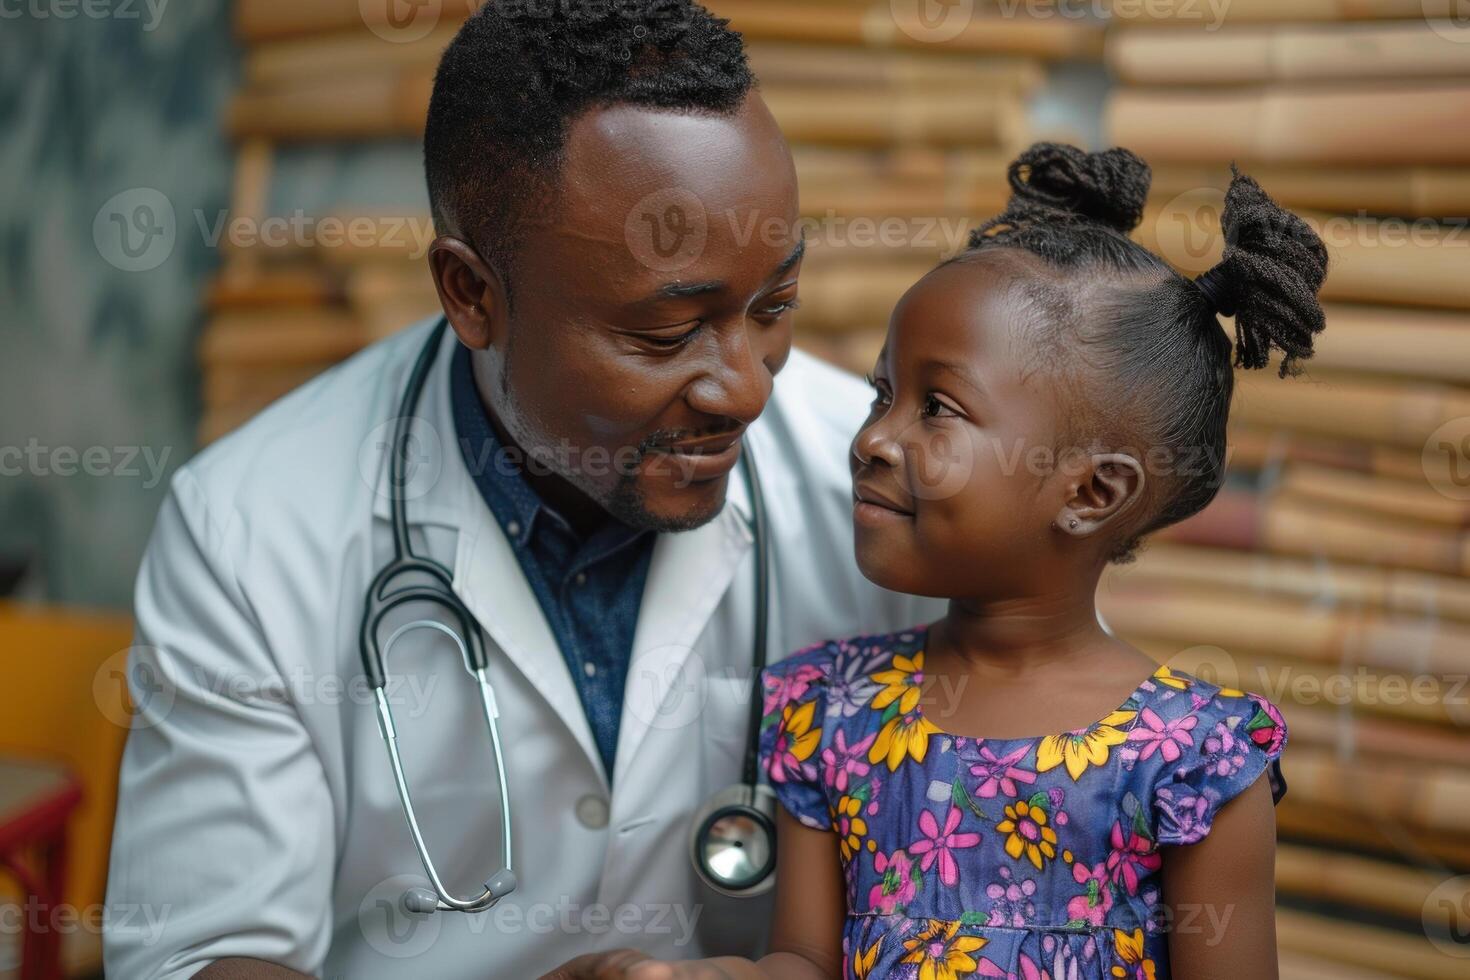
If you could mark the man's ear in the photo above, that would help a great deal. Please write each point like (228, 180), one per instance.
(1109, 486)
(471, 292)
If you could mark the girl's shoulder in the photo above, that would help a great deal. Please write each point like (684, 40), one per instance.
(1194, 745)
(1174, 695)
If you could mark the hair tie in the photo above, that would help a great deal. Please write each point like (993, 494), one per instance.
(1217, 291)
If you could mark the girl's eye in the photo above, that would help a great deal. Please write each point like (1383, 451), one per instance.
(934, 408)
(880, 391)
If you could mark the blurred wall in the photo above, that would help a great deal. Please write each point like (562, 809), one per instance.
(110, 145)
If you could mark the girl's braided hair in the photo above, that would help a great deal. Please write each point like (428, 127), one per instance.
(1159, 362)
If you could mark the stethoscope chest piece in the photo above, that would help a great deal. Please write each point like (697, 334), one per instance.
(732, 841)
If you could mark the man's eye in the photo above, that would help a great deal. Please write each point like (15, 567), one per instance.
(777, 309)
(671, 341)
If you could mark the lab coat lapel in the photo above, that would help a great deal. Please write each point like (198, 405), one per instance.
(487, 575)
(688, 577)
(488, 578)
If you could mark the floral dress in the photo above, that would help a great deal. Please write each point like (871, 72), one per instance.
(1031, 858)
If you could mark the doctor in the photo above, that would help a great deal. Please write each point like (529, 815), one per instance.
(618, 266)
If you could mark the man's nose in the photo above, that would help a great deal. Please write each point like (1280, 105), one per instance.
(738, 383)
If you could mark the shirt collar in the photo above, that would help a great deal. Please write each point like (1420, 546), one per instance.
(495, 472)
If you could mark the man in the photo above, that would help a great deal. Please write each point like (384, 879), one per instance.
(594, 172)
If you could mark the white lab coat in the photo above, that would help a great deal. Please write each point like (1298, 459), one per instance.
(257, 815)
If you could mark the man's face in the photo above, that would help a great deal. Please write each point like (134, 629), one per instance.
(652, 310)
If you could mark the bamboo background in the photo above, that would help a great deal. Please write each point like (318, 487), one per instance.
(1332, 574)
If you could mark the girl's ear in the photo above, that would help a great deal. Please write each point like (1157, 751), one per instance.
(1111, 485)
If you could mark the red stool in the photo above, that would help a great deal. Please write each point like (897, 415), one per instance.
(36, 803)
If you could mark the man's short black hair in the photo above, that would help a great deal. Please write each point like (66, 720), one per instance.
(518, 73)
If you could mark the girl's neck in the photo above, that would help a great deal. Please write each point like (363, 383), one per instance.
(1017, 635)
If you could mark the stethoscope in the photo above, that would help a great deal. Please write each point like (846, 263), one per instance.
(732, 841)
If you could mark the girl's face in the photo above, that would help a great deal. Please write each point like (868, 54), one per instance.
(956, 479)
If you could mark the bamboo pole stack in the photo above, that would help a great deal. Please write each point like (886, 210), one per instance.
(1332, 574)
(900, 138)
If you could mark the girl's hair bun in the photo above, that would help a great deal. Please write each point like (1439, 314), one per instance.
(1107, 188)
(1272, 268)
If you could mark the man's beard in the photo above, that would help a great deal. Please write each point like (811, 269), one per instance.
(628, 504)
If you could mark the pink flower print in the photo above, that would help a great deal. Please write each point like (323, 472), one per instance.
(1001, 773)
(1010, 901)
(1224, 750)
(1128, 855)
(939, 844)
(1169, 738)
(841, 760)
(1093, 906)
(897, 888)
(1057, 798)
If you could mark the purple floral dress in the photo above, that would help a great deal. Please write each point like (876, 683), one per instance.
(1030, 858)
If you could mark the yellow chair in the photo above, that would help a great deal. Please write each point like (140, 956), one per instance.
(65, 703)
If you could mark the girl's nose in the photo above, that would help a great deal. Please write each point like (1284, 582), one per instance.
(873, 445)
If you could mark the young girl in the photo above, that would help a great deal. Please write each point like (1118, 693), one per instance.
(1012, 791)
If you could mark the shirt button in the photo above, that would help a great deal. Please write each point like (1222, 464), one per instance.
(590, 669)
(581, 578)
(513, 528)
(592, 812)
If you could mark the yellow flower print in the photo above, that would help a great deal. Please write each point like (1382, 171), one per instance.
(1129, 947)
(796, 740)
(1029, 834)
(901, 683)
(904, 737)
(1166, 677)
(849, 826)
(1080, 749)
(940, 953)
(863, 963)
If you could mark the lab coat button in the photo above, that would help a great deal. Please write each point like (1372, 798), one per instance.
(592, 812)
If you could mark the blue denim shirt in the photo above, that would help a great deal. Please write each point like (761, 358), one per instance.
(589, 589)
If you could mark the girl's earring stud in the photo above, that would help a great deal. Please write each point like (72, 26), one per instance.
(1072, 522)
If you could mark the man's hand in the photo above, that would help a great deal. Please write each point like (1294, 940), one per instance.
(598, 966)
